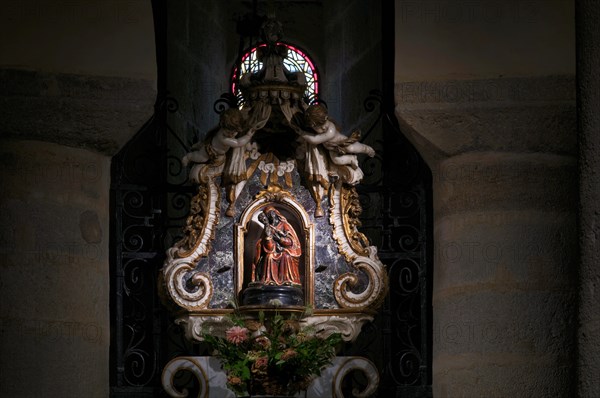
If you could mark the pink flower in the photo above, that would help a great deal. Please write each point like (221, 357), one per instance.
(288, 354)
(261, 363)
(234, 381)
(236, 334)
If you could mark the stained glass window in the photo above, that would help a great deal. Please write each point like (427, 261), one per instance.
(296, 61)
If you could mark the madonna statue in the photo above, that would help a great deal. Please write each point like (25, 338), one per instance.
(277, 255)
(275, 268)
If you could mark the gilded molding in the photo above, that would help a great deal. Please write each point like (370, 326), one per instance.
(200, 224)
(351, 211)
(185, 286)
(354, 246)
(347, 324)
(344, 212)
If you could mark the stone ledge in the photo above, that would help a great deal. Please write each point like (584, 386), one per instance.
(525, 90)
(445, 119)
(92, 112)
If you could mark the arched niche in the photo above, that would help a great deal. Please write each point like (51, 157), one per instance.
(248, 230)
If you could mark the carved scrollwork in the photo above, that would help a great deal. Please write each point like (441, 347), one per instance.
(197, 324)
(344, 217)
(351, 209)
(348, 325)
(274, 193)
(354, 246)
(347, 174)
(360, 364)
(187, 287)
(200, 224)
(189, 364)
(375, 290)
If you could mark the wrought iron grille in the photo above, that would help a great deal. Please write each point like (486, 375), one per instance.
(150, 201)
(136, 205)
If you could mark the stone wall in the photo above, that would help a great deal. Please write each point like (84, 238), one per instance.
(455, 39)
(505, 226)
(77, 80)
(82, 74)
(91, 37)
(588, 85)
(497, 126)
(99, 113)
(54, 284)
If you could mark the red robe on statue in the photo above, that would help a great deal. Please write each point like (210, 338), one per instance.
(277, 256)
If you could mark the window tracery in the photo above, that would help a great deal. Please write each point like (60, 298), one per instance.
(297, 60)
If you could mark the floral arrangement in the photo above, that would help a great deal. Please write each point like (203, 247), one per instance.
(272, 355)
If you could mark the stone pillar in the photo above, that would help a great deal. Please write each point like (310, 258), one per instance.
(54, 274)
(588, 65)
(503, 157)
(77, 81)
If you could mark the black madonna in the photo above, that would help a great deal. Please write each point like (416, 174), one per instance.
(275, 268)
(277, 255)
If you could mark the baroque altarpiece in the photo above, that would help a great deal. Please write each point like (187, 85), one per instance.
(275, 219)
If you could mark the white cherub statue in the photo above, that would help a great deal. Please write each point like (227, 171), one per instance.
(220, 140)
(342, 149)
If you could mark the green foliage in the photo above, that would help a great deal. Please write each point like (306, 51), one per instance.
(272, 354)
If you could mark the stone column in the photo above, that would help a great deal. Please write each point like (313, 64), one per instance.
(588, 84)
(503, 156)
(54, 275)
